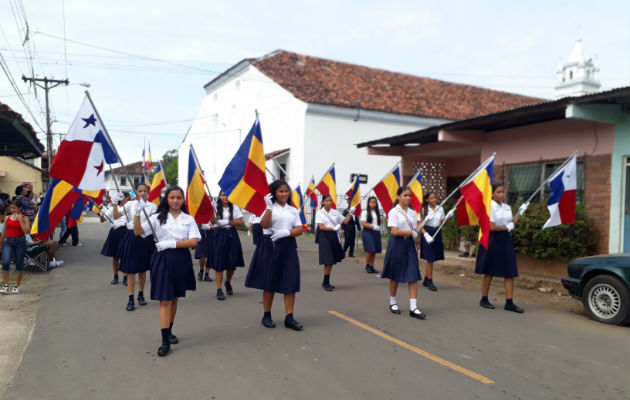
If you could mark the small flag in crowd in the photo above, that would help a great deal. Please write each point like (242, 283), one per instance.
(311, 193)
(563, 198)
(148, 158)
(59, 199)
(328, 185)
(417, 194)
(477, 191)
(244, 181)
(354, 197)
(145, 180)
(198, 202)
(297, 201)
(83, 153)
(386, 189)
(159, 183)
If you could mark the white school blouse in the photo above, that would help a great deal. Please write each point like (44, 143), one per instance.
(131, 209)
(181, 228)
(283, 218)
(375, 221)
(322, 217)
(236, 214)
(501, 215)
(396, 217)
(434, 216)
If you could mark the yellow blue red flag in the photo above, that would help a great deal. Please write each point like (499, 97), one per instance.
(417, 194)
(159, 183)
(145, 180)
(198, 202)
(354, 197)
(477, 191)
(386, 189)
(244, 180)
(297, 201)
(328, 185)
(311, 193)
(59, 199)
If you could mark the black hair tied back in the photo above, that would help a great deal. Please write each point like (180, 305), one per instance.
(163, 208)
(277, 184)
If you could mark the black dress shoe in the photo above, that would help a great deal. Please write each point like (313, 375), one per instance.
(131, 305)
(419, 314)
(228, 288)
(486, 304)
(268, 322)
(513, 307)
(207, 278)
(429, 285)
(464, 255)
(125, 280)
(373, 270)
(293, 324)
(395, 310)
(173, 339)
(142, 301)
(163, 350)
(115, 280)
(200, 276)
(220, 294)
(328, 287)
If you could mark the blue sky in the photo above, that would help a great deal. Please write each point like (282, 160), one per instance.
(510, 46)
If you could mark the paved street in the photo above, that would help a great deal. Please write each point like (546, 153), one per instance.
(86, 346)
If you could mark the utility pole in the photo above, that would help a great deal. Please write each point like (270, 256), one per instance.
(48, 84)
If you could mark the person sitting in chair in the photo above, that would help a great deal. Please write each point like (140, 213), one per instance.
(34, 246)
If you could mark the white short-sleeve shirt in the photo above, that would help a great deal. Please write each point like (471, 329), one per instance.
(151, 209)
(284, 217)
(396, 217)
(253, 219)
(501, 215)
(181, 228)
(236, 213)
(435, 216)
(329, 219)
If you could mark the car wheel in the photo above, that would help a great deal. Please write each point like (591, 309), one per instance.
(605, 299)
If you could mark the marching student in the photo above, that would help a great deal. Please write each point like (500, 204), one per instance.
(13, 239)
(431, 248)
(371, 234)
(329, 222)
(349, 231)
(205, 249)
(136, 249)
(401, 257)
(228, 253)
(275, 266)
(256, 229)
(172, 272)
(500, 259)
(112, 247)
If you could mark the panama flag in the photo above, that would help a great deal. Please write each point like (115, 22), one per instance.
(417, 193)
(562, 201)
(386, 189)
(244, 180)
(477, 191)
(354, 197)
(83, 153)
(311, 192)
(297, 201)
(328, 185)
(198, 202)
(159, 183)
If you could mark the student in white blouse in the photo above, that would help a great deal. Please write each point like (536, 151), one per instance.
(275, 266)
(172, 272)
(499, 259)
(112, 247)
(205, 250)
(329, 222)
(136, 250)
(228, 252)
(431, 247)
(401, 257)
(371, 220)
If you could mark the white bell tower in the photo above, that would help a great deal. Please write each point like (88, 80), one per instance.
(578, 76)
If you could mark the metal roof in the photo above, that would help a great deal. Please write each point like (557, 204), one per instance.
(17, 137)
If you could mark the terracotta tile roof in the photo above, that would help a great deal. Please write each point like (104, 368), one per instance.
(133, 168)
(321, 81)
(272, 154)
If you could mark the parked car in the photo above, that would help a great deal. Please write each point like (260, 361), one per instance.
(603, 284)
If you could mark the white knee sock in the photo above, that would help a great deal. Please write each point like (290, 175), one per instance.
(392, 300)
(413, 304)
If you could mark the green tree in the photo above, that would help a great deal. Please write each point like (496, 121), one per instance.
(169, 163)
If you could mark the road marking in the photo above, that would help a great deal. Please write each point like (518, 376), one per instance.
(416, 350)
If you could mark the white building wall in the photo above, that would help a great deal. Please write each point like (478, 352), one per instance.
(226, 115)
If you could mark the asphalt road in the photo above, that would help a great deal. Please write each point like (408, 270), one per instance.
(86, 346)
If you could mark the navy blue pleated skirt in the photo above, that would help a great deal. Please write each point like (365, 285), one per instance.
(330, 250)
(257, 233)
(172, 274)
(371, 241)
(435, 250)
(260, 264)
(500, 259)
(275, 267)
(228, 253)
(205, 246)
(401, 260)
(112, 247)
(136, 253)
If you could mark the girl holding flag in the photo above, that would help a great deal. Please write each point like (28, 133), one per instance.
(499, 259)
(431, 247)
(112, 247)
(228, 252)
(137, 249)
(172, 272)
(371, 233)
(275, 266)
(329, 222)
(401, 258)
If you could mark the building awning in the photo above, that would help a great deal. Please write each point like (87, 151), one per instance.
(276, 154)
(17, 137)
